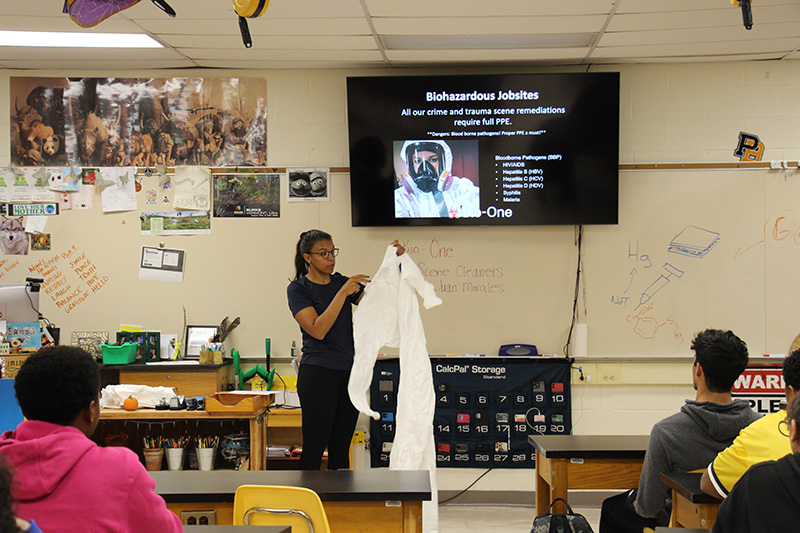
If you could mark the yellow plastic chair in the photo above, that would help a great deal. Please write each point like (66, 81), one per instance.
(268, 505)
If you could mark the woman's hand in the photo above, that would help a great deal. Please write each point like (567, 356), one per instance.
(353, 284)
(400, 249)
(319, 325)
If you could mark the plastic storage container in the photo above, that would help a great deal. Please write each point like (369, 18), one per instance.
(119, 355)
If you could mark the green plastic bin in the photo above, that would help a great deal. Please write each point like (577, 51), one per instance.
(119, 355)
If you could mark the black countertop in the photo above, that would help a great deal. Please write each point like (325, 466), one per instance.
(332, 485)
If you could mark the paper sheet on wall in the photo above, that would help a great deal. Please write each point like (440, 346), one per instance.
(19, 190)
(70, 179)
(6, 179)
(120, 195)
(192, 187)
(161, 265)
(35, 224)
(84, 199)
(40, 178)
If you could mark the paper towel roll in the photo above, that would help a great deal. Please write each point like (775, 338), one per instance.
(579, 340)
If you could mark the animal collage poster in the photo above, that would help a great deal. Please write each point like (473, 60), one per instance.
(138, 122)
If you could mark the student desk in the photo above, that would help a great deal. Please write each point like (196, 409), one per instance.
(257, 419)
(236, 529)
(356, 501)
(566, 462)
(661, 529)
(691, 507)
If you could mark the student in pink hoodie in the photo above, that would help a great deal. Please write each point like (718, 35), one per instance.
(8, 522)
(62, 479)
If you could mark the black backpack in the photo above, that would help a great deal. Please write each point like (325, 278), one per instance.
(569, 522)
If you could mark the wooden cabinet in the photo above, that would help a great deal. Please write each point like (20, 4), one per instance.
(284, 429)
(256, 422)
(187, 379)
(277, 427)
(190, 380)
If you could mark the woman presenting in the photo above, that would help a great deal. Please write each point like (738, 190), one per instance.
(321, 302)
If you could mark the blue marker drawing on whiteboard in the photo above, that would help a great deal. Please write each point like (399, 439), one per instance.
(693, 241)
(633, 275)
(659, 284)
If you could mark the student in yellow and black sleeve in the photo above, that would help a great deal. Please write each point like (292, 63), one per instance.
(765, 439)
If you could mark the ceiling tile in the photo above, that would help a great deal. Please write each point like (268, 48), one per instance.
(116, 65)
(701, 35)
(475, 8)
(63, 23)
(266, 26)
(672, 20)
(483, 55)
(273, 42)
(351, 33)
(86, 54)
(488, 25)
(202, 54)
(772, 46)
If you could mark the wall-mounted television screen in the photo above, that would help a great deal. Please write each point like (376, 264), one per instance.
(512, 149)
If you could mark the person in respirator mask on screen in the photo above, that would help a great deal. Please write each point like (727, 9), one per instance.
(428, 188)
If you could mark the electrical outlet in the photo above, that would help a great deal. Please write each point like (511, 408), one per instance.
(587, 371)
(609, 374)
(199, 518)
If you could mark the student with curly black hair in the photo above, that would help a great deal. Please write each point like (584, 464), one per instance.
(64, 480)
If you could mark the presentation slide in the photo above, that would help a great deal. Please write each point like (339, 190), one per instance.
(504, 149)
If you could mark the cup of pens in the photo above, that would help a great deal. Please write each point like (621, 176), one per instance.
(153, 453)
(211, 353)
(176, 451)
(206, 450)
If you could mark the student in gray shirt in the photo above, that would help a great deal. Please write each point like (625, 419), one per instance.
(691, 438)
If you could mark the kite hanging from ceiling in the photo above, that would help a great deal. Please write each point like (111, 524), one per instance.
(88, 13)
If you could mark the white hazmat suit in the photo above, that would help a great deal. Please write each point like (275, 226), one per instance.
(388, 315)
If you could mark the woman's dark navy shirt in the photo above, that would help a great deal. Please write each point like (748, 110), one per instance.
(336, 350)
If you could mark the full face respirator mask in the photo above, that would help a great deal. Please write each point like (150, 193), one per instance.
(425, 173)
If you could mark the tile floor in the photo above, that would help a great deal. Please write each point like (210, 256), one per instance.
(459, 518)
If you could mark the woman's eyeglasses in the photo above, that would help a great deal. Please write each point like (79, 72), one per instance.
(325, 253)
(783, 427)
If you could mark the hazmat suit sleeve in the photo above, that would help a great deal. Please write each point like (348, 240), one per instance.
(374, 325)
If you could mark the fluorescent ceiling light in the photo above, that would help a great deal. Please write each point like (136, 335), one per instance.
(483, 42)
(52, 39)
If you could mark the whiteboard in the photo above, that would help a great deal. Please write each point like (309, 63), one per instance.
(695, 249)
(499, 285)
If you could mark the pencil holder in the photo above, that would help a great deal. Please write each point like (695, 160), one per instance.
(211, 357)
(153, 458)
(205, 458)
(175, 458)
